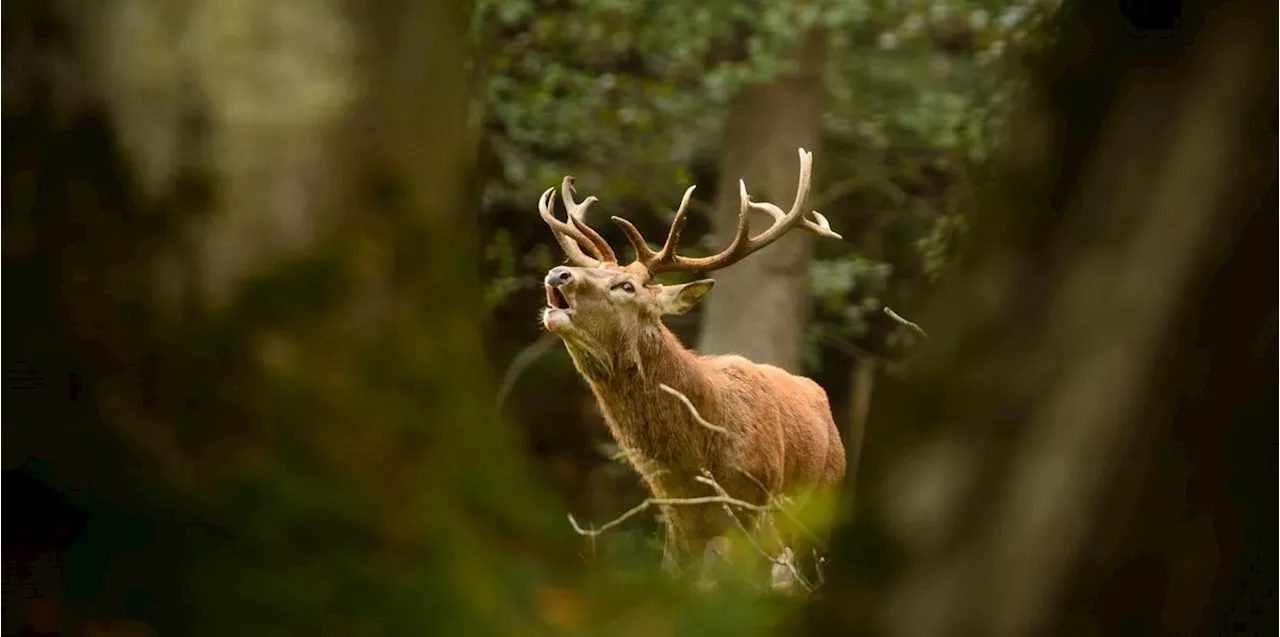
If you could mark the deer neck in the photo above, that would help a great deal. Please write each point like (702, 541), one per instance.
(649, 424)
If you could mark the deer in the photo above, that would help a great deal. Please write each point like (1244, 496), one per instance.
(755, 431)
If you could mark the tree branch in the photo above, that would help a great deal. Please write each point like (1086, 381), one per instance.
(724, 500)
(527, 356)
(772, 499)
(707, 479)
(904, 322)
(693, 411)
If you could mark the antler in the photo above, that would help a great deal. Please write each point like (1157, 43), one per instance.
(666, 259)
(576, 234)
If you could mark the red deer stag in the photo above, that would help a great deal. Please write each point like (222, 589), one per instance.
(771, 430)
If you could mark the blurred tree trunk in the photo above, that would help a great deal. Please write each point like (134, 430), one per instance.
(760, 305)
(1083, 452)
(862, 382)
(243, 93)
(311, 448)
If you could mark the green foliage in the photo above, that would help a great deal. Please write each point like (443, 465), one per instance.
(509, 272)
(629, 96)
(626, 95)
(832, 282)
(919, 94)
(936, 247)
(331, 426)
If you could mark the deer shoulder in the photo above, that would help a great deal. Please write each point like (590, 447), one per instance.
(786, 423)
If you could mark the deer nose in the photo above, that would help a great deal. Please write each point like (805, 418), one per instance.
(558, 276)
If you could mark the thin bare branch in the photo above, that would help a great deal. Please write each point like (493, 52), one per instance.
(904, 322)
(722, 498)
(707, 479)
(776, 504)
(527, 356)
(771, 498)
(636, 463)
(639, 508)
(693, 410)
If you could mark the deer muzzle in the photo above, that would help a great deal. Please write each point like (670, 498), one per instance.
(556, 315)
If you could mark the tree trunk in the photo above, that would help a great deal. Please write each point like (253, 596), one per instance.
(285, 461)
(1082, 451)
(862, 382)
(760, 305)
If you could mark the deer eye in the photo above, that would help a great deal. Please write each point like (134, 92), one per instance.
(625, 286)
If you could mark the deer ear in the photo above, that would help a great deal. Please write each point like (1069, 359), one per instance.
(678, 299)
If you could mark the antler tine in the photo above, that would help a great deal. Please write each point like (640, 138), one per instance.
(578, 217)
(794, 217)
(677, 226)
(743, 245)
(644, 254)
(821, 227)
(666, 259)
(571, 240)
(654, 261)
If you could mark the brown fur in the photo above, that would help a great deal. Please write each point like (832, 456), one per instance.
(780, 427)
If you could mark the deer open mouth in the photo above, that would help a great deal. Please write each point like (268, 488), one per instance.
(556, 299)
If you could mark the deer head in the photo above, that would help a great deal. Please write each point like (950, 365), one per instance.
(598, 305)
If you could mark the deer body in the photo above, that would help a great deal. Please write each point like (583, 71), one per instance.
(767, 432)
(780, 431)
